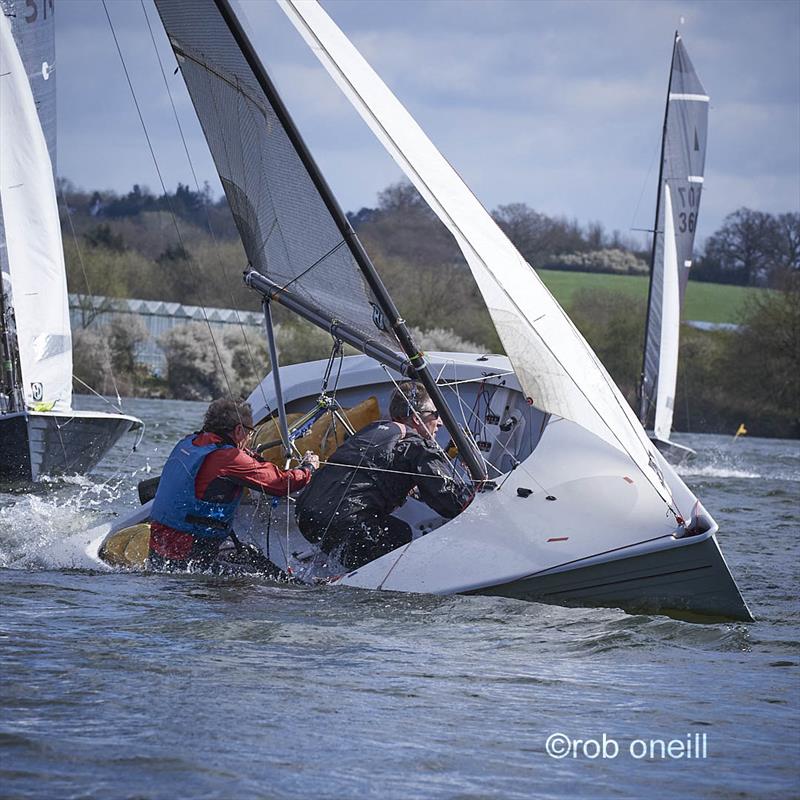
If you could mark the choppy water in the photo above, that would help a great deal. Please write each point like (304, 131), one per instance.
(145, 686)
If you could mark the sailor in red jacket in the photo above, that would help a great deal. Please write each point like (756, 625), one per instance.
(202, 484)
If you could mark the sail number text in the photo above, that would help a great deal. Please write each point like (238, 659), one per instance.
(33, 7)
(690, 199)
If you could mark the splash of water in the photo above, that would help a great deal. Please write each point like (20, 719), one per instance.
(708, 471)
(54, 511)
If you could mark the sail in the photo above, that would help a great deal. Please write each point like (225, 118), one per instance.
(34, 257)
(33, 27)
(682, 167)
(288, 231)
(554, 364)
(670, 323)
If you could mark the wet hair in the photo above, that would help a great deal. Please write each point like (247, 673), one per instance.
(408, 397)
(224, 415)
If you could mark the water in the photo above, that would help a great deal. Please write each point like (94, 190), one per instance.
(148, 686)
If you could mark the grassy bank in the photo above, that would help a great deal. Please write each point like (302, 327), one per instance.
(711, 302)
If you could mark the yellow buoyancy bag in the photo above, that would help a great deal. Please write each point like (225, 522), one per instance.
(128, 547)
(324, 436)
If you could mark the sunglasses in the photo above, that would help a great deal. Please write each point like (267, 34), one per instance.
(429, 412)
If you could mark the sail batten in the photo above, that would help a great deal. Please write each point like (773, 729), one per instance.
(682, 168)
(555, 366)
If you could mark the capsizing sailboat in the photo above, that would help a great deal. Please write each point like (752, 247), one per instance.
(680, 184)
(573, 503)
(40, 433)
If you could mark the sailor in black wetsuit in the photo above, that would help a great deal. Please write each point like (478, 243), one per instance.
(347, 507)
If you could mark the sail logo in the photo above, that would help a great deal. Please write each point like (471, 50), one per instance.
(37, 391)
(378, 318)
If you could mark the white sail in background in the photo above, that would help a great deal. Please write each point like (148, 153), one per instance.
(35, 258)
(555, 366)
(682, 168)
(670, 326)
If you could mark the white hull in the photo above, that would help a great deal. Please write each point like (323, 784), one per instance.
(35, 444)
(590, 531)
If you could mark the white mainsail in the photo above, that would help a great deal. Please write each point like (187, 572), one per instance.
(670, 326)
(556, 367)
(35, 258)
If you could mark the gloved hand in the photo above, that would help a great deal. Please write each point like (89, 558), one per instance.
(310, 461)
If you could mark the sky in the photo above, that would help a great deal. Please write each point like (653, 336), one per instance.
(555, 104)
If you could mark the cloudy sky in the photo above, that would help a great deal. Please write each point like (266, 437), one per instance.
(555, 104)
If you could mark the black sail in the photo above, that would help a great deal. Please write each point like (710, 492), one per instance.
(287, 227)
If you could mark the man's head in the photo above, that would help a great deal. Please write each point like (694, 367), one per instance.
(411, 404)
(231, 418)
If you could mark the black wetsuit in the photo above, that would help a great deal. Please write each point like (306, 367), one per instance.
(348, 505)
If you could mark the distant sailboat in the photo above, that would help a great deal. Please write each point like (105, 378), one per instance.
(40, 433)
(680, 183)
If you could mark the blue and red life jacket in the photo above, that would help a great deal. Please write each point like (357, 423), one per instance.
(176, 504)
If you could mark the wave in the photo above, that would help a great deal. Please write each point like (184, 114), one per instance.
(36, 520)
(716, 472)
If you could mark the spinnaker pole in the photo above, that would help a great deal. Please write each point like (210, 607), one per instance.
(416, 359)
(643, 401)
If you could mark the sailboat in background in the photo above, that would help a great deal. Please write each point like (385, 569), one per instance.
(680, 184)
(572, 502)
(40, 433)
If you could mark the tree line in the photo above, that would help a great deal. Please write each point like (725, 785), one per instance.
(183, 247)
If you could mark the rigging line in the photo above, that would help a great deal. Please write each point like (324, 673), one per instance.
(315, 264)
(93, 391)
(476, 380)
(436, 444)
(125, 460)
(86, 281)
(210, 227)
(190, 261)
(346, 489)
(377, 122)
(645, 184)
(520, 464)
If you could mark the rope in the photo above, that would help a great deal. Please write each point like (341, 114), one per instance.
(210, 227)
(415, 414)
(78, 250)
(173, 216)
(94, 392)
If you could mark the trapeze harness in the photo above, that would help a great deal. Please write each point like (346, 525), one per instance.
(176, 504)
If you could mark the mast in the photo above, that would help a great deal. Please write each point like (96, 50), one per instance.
(8, 383)
(416, 359)
(643, 409)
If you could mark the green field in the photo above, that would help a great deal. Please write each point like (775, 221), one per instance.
(710, 302)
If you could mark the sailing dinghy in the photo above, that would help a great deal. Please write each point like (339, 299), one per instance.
(680, 183)
(40, 433)
(573, 503)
